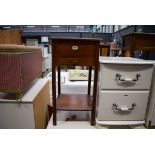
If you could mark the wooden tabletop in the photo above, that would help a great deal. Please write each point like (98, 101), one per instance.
(139, 41)
(140, 34)
(18, 48)
(71, 38)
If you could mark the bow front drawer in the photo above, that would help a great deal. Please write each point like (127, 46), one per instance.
(127, 76)
(122, 105)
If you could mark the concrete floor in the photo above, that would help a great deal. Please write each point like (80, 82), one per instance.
(81, 120)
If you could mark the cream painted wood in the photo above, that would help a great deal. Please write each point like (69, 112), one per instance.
(124, 100)
(110, 80)
(120, 122)
(150, 117)
(20, 115)
(16, 116)
(153, 118)
(119, 76)
(125, 60)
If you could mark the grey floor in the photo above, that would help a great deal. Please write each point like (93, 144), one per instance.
(79, 119)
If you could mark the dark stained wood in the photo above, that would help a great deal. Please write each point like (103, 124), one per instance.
(73, 39)
(66, 55)
(93, 112)
(54, 86)
(75, 61)
(89, 80)
(59, 80)
(74, 102)
(76, 52)
(83, 51)
(50, 111)
(139, 41)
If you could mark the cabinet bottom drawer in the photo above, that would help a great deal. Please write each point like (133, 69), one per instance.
(122, 105)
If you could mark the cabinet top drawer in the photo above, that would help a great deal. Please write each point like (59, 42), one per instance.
(124, 60)
(75, 48)
(127, 76)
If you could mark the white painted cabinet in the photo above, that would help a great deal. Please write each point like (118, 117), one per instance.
(29, 113)
(124, 86)
(125, 76)
(150, 117)
(122, 105)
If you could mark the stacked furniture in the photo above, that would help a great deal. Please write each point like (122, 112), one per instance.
(124, 87)
(19, 66)
(76, 52)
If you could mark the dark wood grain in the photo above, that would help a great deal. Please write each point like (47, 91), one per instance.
(139, 41)
(93, 112)
(74, 39)
(75, 61)
(54, 86)
(74, 102)
(59, 80)
(89, 80)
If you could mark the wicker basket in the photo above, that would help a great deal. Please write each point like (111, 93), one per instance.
(19, 66)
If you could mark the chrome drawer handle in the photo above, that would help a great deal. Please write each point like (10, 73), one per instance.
(75, 48)
(117, 109)
(118, 77)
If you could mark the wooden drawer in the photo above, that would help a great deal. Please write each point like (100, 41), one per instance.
(122, 105)
(74, 50)
(76, 61)
(116, 76)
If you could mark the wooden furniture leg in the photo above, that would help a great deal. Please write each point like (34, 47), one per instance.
(54, 93)
(94, 95)
(59, 81)
(89, 80)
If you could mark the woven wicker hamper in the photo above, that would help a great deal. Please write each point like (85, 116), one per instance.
(19, 66)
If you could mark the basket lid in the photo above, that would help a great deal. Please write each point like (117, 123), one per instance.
(18, 48)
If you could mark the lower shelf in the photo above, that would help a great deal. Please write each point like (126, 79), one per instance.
(73, 102)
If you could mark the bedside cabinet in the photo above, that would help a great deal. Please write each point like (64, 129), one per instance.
(123, 91)
(76, 52)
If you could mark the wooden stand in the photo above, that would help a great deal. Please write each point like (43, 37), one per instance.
(77, 52)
